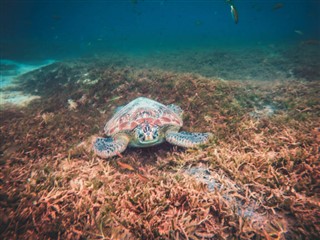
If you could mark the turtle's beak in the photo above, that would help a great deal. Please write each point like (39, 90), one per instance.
(148, 137)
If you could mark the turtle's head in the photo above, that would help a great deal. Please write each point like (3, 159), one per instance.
(147, 134)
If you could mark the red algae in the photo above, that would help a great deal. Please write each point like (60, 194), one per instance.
(260, 177)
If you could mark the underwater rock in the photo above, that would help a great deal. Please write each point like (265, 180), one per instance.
(243, 206)
(203, 175)
(265, 111)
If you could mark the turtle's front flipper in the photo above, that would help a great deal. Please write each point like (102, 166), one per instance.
(108, 147)
(186, 139)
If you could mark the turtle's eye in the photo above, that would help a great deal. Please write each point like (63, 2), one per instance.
(140, 134)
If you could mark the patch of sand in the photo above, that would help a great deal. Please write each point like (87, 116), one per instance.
(9, 71)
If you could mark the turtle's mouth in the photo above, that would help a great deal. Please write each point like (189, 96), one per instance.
(148, 140)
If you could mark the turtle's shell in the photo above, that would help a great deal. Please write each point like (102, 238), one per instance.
(139, 111)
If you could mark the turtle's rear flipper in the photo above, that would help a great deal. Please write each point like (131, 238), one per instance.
(186, 139)
(108, 147)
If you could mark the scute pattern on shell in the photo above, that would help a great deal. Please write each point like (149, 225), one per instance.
(139, 111)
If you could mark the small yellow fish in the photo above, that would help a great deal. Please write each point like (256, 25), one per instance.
(234, 13)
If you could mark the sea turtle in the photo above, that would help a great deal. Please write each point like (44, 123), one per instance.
(142, 123)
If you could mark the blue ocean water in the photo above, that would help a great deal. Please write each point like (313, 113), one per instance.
(46, 29)
(66, 65)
